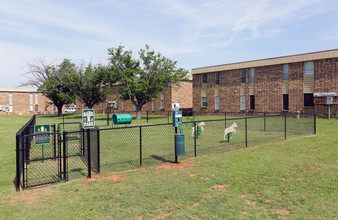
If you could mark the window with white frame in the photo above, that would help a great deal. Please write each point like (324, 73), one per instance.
(252, 75)
(285, 71)
(216, 102)
(11, 108)
(204, 102)
(31, 108)
(36, 108)
(243, 102)
(123, 106)
(162, 104)
(309, 68)
(10, 96)
(154, 105)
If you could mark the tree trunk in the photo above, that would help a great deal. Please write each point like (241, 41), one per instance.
(138, 112)
(59, 109)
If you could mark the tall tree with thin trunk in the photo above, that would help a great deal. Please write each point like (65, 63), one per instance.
(90, 84)
(50, 81)
(143, 78)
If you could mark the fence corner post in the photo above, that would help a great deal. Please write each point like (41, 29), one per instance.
(246, 132)
(98, 150)
(89, 155)
(314, 123)
(195, 147)
(140, 146)
(64, 156)
(285, 126)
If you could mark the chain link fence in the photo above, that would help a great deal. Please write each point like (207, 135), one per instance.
(74, 152)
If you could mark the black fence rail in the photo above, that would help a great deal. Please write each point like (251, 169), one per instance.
(74, 152)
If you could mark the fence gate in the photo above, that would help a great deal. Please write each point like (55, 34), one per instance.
(42, 159)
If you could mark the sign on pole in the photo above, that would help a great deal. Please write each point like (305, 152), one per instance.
(176, 105)
(39, 130)
(88, 118)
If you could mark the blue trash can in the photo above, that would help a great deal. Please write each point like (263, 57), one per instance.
(179, 145)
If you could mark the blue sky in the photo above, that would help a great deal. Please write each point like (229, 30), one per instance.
(195, 33)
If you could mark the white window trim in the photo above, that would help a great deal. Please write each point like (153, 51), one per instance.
(216, 103)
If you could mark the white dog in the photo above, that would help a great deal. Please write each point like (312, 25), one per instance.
(230, 129)
(201, 125)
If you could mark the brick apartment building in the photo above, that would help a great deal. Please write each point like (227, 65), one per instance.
(24, 102)
(160, 105)
(305, 82)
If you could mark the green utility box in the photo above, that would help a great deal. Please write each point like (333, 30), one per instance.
(119, 119)
(179, 145)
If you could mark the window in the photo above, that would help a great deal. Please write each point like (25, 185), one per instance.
(11, 108)
(308, 100)
(204, 78)
(285, 101)
(204, 102)
(162, 104)
(54, 108)
(216, 102)
(216, 78)
(309, 68)
(123, 106)
(243, 76)
(10, 95)
(36, 108)
(252, 102)
(116, 104)
(31, 108)
(285, 71)
(252, 75)
(117, 89)
(243, 102)
(154, 105)
(36, 96)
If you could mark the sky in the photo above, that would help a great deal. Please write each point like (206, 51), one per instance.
(195, 33)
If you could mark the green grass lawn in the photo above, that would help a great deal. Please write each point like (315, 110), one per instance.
(293, 179)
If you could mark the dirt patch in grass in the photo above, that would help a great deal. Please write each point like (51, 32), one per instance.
(100, 178)
(250, 203)
(193, 205)
(282, 212)
(224, 187)
(170, 166)
(31, 196)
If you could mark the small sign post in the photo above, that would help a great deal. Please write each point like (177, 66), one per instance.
(42, 136)
(88, 118)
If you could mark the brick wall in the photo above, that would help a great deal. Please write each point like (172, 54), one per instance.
(183, 94)
(268, 88)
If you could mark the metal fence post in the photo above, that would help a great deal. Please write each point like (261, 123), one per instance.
(264, 122)
(64, 156)
(54, 141)
(175, 147)
(107, 118)
(246, 132)
(98, 151)
(195, 129)
(147, 116)
(168, 116)
(285, 126)
(18, 175)
(225, 120)
(314, 123)
(140, 146)
(89, 155)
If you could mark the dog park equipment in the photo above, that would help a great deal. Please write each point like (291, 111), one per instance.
(228, 132)
(42, 136)
(179, 138)
(177, 118)
(88, 118)
(119, 119)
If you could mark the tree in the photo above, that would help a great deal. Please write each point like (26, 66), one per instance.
(144, 78)
(90, 84)
(50, 81)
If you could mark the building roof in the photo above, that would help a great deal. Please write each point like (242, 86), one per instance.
(270, 61)
(17, 90)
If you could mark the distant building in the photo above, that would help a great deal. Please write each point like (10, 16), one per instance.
(305, 82)
(160, 105)
(24, 102)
